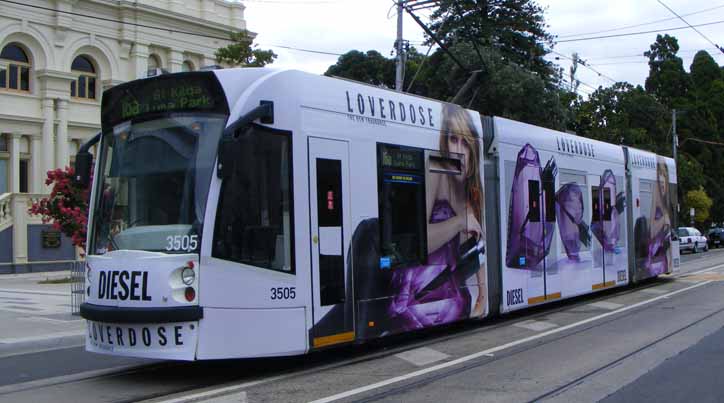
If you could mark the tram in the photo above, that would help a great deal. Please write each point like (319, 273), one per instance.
(256, 212)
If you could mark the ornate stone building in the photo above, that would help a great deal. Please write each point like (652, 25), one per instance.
(56, 58)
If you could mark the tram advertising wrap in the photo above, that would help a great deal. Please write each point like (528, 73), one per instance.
(253, 212)
(421, 262)
(653, 186)
(563, 227)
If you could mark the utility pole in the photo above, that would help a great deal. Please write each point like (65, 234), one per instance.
(399, 46)
(674, 136)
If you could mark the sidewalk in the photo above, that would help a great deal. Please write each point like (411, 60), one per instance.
(35, 316)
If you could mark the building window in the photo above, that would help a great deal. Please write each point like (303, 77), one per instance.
(187, 66)
(85, 85)
(154, 62)
(14, 68)
(23, 176)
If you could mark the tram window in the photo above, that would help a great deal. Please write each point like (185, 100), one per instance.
(550, 198)
(402, 208)
(596, 210)
(607, 208)
(533, 201)
(329, 217)
(254, 215)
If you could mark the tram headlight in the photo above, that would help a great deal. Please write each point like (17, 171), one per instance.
(188, 276)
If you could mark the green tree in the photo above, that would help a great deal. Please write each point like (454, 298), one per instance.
(667, 80)
(704, 72)
(623, 114)
(503, 89)
(373, 68)
(370, 67)
(700, 202)
(242, 52)
(514, 28)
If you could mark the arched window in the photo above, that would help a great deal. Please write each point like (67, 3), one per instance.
(187, 66)
(14, 68)
(85, 85)
(154, 62)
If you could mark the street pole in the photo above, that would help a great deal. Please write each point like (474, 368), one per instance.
(674, 136)
(398, 46)
(674, 145)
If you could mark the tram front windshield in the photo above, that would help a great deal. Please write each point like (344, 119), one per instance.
(155, 179)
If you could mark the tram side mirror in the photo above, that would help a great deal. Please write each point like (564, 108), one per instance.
(83, 166)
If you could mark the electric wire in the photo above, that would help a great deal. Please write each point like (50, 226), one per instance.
(590, 38)
(170, 30)
(692, 27)
(586, 65)
(638, 25)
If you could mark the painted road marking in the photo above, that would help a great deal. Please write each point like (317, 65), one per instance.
(706, 277)
(656, 291)
(606, 305)
(422, 356)
(32, 292)
(535, 325)
(52, 336)
(484, 353)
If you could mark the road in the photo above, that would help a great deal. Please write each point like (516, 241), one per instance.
(661, 341)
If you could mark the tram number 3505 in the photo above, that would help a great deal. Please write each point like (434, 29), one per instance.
(283, 292)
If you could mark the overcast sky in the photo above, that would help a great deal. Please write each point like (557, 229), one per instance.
(337, 26)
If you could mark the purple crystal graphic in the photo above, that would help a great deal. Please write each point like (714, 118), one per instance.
(605, 227)
(569, 213)
(529, 233)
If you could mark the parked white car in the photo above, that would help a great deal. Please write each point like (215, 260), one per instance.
(691, 239)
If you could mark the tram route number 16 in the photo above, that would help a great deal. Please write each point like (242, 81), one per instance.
(185, 243)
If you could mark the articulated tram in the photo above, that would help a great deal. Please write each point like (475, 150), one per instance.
(257, 212)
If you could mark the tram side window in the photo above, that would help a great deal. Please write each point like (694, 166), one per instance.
(402, 205)
(596, 210)
(254, 215)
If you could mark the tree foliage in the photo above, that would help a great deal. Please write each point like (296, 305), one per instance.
(700, 202)
(242, 52)
(516, 29)
(667, 80)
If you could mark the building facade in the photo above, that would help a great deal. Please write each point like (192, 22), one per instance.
(56, 58)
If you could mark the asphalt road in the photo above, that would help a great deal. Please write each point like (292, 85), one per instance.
(659, 341)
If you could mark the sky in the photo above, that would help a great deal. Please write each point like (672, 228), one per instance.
(337, 26)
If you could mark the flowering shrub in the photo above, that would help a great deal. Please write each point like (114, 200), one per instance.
(66, 207)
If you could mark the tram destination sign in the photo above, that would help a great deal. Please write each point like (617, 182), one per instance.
(197, 92)
(401, 158)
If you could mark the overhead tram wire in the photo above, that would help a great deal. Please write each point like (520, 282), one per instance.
(637, 25)
(172, 30)
(586, 65)
(691, 26)
(590, 38)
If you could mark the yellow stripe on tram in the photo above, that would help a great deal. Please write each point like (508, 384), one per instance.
(333, 339)
(543, 298)
(600, 286)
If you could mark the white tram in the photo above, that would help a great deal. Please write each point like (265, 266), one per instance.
(257, 212)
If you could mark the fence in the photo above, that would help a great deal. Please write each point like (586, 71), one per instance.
(77, 286)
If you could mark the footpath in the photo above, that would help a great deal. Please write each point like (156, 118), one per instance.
(37, 317)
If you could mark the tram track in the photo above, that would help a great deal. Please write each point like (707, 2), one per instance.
(526, 348)
(294, 367)
(602, 368)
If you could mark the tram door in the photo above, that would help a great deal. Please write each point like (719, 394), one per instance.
(329, 209)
